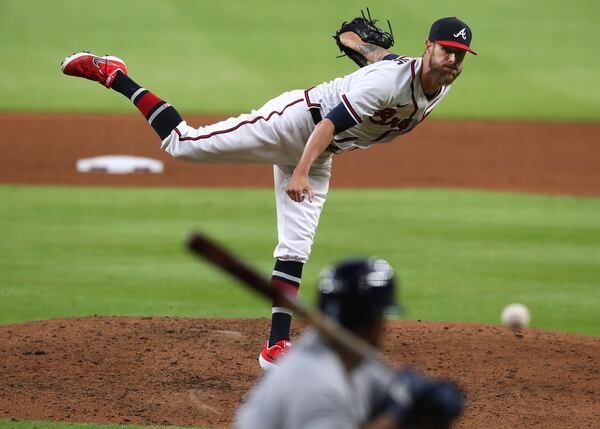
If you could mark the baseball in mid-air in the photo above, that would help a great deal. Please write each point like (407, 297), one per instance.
(515, 316)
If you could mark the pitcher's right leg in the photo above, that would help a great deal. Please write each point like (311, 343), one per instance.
(265, 135)
(270, 134)
(111, 72)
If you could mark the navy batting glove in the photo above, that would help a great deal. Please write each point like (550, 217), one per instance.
(419, 403)
(438, 407)
(404, 392)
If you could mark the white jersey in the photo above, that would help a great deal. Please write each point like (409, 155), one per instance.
(310, 388)
(385, 99)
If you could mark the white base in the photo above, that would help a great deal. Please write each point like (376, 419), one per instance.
(119, 164)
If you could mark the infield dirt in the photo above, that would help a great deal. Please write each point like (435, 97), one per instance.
(194, 372)
(518, 156)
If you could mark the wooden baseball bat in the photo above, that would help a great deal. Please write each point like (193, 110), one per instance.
(400, 389)
(213, 252)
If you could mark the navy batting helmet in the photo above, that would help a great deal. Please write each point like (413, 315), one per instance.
(357, 292)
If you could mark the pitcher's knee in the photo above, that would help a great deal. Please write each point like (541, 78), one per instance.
(290, 252)
(174, 145)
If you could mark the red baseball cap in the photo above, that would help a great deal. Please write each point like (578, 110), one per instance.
(451, 31)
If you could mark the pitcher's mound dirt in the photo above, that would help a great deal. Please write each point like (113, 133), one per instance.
(194, 372)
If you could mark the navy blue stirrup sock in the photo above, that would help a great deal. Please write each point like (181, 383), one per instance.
(161, 115)
(286, 274)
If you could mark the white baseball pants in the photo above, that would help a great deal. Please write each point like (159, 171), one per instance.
(276, 134)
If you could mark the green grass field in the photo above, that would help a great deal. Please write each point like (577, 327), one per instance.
(461, 255)
(536, 58)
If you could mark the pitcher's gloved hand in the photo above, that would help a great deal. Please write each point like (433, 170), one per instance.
(366, 29)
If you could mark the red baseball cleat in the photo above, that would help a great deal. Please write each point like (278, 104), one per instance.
(92, 67)
(269, 355)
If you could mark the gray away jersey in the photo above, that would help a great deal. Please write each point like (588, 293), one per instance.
(311, 389)
(385, 99)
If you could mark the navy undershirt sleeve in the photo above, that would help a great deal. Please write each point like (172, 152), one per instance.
(391, 57)
(341, 118)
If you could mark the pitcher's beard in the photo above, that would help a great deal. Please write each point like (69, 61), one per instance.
(442, 74)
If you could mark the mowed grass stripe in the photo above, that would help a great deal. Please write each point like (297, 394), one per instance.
(230, 57)
(461, 255)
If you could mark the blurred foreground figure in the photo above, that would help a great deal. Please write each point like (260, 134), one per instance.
(320, 385)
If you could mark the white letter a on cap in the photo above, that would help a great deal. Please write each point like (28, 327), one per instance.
(462, 33)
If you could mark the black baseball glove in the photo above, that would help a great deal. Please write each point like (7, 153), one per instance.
(366, 29)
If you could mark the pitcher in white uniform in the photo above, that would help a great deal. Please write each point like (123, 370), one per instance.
(299, 131)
